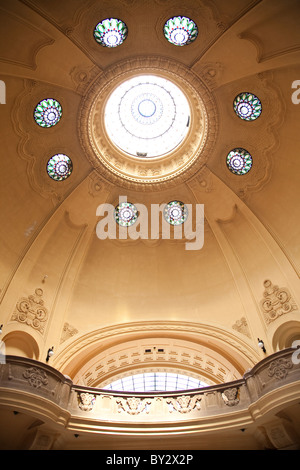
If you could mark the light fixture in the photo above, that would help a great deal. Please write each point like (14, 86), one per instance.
(261, 344)
(49, 353)
(1, 326)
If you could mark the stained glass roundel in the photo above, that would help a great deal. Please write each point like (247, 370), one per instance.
(247, 106)
(180, 30)
(239, 161)
(125, 214)
(147, 116)
(48, 112)
(110, 32)
(59, 167)
(175, 213)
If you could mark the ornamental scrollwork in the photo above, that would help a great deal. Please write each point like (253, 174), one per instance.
(276, 302)
(231, 396)
(35, 377)
(31, 311)
(279, 368)
(184, 403)
(133, 405)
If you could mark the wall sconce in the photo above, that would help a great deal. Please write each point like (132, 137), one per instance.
(44, 279)
(1, 326)
(261, 345)
(49, 353)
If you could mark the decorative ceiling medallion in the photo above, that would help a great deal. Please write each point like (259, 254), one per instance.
(180, 30)
(59, 167)
(147, 116)
(110, 32)
(239, 161)
(247, 106)
(48, 112)
(175, 213)
(148, 110)
(125, 214)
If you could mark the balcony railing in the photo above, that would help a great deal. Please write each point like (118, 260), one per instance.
(40, 390)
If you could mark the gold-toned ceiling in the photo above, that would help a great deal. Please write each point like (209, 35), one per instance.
(108, 292)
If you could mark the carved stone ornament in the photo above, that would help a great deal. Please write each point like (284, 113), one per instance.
(86, 401)
(184, 403)
(32, 311)
(36, 378)
(276, 302)
(279, 368)
(68, 332)
(133, 405)
(231, 396)
(242, 326)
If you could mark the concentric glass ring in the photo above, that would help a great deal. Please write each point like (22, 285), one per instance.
(47, 112)
(247, 106)
(125, 214)
(239, 161)
(59, 167)
(175, 213)
(110, 32)
(180, 30)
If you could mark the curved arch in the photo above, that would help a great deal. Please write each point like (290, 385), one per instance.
(80, 358)
(20, 343)
(285, 335)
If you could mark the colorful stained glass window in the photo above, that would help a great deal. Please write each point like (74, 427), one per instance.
(48, 112)
(239, 161)
(175, 213)
(180, 30)
(110, 32)
(59, 167)
(247, 106)
(126, 214)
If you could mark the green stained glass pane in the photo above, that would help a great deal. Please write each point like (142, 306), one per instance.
(239, 161)
(59, 167)
(110, 32)
(175, 213)
(47, 112)
(180, 30)
(247, 106)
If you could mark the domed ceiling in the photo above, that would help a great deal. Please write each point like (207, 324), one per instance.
(147, 120)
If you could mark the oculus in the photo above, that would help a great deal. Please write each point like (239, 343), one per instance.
(110, 32)
(125, 214)
(180, 30)
(175, 213)
(48, 112)
(239, 161)
(147, 116)
(59, 167)
(247, 106)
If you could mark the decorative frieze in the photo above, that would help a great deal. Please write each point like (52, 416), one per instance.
(276, 302)
(242, 327)
(32, 311)
(86, 401)
(133, 405)
(231, 396)
(184, 403)
(279, 368)
(68, 332)
(35, 377)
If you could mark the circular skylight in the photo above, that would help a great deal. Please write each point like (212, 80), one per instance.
(147, 116)
(59, 167)
(247, 106)
(180, 30)
(110, 32)
(48, 112)
(175, 213)
(126, 214)
(155, 381)
(239, 161)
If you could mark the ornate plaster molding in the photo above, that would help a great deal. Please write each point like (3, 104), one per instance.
(148, 174)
